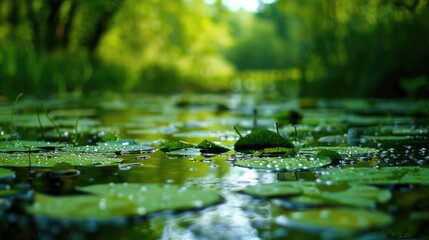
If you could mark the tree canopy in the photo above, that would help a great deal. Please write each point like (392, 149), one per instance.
(74, 46)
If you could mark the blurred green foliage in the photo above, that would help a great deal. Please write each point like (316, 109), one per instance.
(373, 48)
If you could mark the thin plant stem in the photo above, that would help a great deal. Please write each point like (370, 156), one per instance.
(13, 112)
(75, 131)
(52, 121)
(278, 133)
(29, 156)
(238, 132)
(40, 125)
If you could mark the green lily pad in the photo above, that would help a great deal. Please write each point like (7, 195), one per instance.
(172, 146)
(261, 139)
(284, 164)
(26, 146)
(365, 139)
(51, 159)
(110, 201)
(333, 155)
(211, 147)
(276, 152)
(336, 219)
(6, 174)
(348, 151)
(111, 148)
(310, 193)
(384, 175)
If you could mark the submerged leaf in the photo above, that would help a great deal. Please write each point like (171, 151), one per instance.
(261, 139)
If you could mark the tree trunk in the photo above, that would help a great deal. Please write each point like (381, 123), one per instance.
(52, 25)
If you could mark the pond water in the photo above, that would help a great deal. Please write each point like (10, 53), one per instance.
(376, 186)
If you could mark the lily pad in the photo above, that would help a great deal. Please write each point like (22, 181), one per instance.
(112, 148)
(384, 175)
(284, 164)
(172, 146)
(26, 146)
(6, 174)
(110, 201)
(51, 159)
(211, 147)
(313, 194)
(273, 152)
(261, 139)
(392, 138)
(347, 151)
(336, 219)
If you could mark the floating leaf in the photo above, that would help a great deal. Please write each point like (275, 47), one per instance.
(348, 151)
(26, 146)
(384, 175)
(333, 155)
(310, 193)
(112, 148)
(51, 159)
(109, 201)
(6, 174)
(279, 189)
(261, 139)
(276, 152)
(284, 164)
(172, 146)
(336, 219)
(365, 139)
(211, 147)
